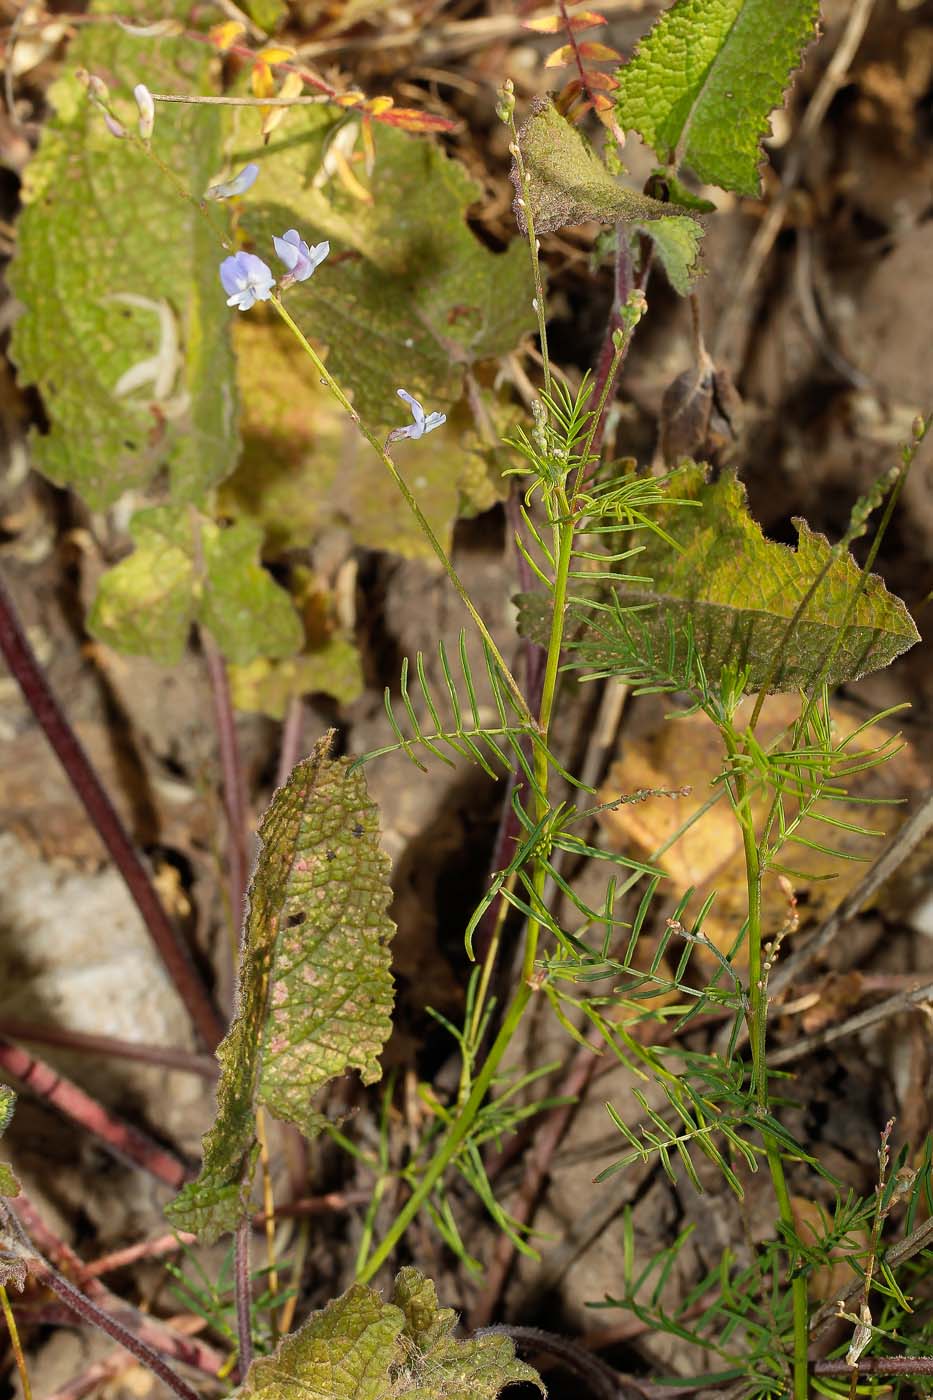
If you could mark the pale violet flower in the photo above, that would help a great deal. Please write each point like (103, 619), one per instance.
(247, 279)
(146, 110)
(423, 423)
(300, 260)
(238, 185)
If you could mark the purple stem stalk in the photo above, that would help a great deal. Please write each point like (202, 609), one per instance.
(169, 944)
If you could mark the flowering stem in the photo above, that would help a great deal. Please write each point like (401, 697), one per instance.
(328, 379)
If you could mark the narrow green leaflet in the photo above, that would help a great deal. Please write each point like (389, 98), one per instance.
(361, 1348)
(409, 297)
(701, 86)
(125, 328)
(571, 185)
(9, 1186)
(186, 569)
(315, 988)
(736, 592)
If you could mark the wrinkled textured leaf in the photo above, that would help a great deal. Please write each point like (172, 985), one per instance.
(9, 1186)
(738, 591)
(315, 989)
(701, 86)
(147, 603)
(102, 223)
(570, 185)
(361, 1348)
(409, 297)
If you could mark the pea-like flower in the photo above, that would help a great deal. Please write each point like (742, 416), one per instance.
(423, 423)
(238, 185)
(300, 260)
(247, 279)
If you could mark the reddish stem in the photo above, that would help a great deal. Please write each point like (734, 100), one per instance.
(110, 1047)
(243, 1296)
(170, 946)
(121, 1138)
(292, 734)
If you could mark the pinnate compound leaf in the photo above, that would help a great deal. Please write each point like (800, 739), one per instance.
(361, 1348)
(147, 603)
(701, 86)
(737, 592)
(570, 185)
(116, 270)
(315, 988)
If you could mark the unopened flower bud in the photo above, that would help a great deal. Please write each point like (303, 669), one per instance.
(113, 126)
(146, 110)
(505, 107)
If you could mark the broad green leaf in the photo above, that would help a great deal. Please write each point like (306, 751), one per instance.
(702, 84)
(315, 989)
(115, 269)
(9, 1186)
(570, 185)
(361, 1348)
(148, 602)
(737, 591)
(409, 297)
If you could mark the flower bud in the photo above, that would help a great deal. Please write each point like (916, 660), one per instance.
(146, 110)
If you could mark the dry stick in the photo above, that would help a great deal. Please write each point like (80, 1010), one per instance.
(188, 1350)
(88, 1312)
(904, 1001)
(899, 848)
(121, 1138)
(161, 1056)
(170, 946)
(735, 324)
(117, 1363)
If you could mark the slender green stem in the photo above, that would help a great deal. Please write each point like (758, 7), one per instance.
(16, 1344)
(525, 199)
(456, 1136)
(328, 379)
(757, 1032)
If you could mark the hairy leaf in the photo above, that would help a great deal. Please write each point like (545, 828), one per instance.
(9, 1186)
(409, 296)
(186, 569)
(570, 185)
(677, 242)
(737, 592)
(315, 989)
(361, 1348)
(701, 85)
(115, 269)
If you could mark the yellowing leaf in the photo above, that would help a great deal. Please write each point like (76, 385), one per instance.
(147, 603)
(315, 991)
